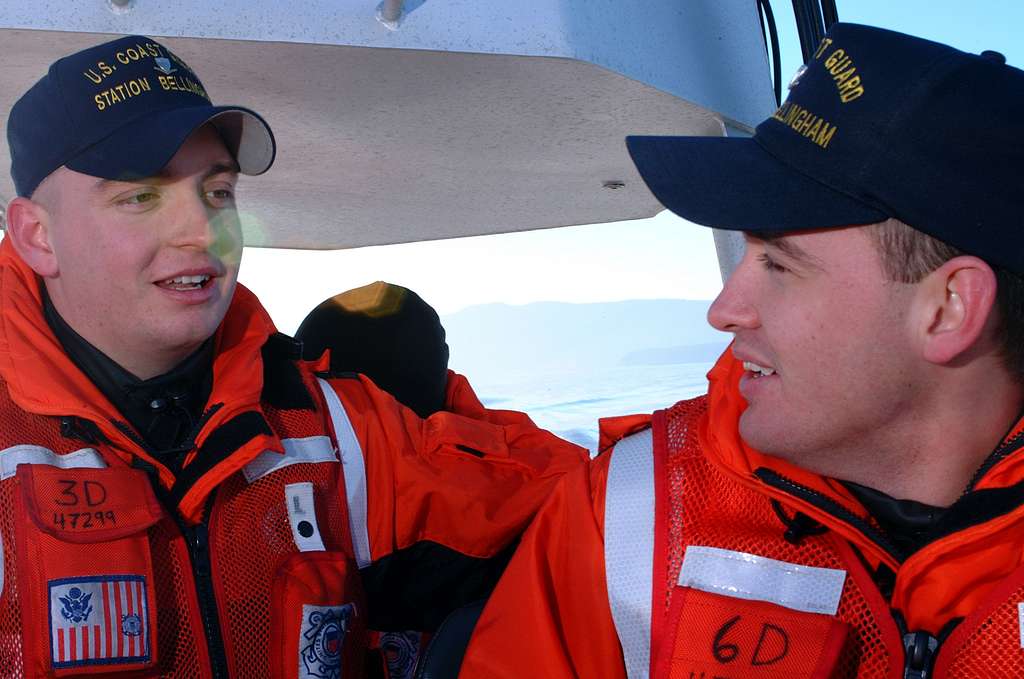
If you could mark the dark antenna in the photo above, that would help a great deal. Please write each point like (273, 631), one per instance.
(829, 13)
(771, 37)
(813, 18)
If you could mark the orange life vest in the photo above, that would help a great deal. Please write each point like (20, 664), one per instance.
(102, 577)
(296, 525)
(683, 553)
(737, 591)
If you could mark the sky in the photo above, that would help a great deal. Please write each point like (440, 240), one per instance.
(658, 258)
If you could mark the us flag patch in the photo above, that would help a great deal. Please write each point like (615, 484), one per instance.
(101, 620)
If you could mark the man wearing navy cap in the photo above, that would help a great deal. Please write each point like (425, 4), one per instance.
(848, 498)
(180, 494)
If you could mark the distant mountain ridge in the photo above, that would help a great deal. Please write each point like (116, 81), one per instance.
(492, 340)
(691, 353)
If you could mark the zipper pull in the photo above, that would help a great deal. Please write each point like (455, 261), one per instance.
(920, 648)
(201, 548)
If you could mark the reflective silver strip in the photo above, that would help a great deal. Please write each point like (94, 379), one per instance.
(296, 451)
(10, 458)
(749, 576)
(355, 473)
(629, 547)
(302, 517)
(1020, 621)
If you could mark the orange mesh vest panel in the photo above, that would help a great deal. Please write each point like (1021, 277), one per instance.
(281, 611)
(697, 504)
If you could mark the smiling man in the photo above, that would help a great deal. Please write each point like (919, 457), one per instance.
(848, 498)
(164, 252)
(181, 495)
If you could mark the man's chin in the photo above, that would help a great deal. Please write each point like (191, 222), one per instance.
(185, 338)
(764, 436)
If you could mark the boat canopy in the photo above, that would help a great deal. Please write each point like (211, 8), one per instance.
(429, 119)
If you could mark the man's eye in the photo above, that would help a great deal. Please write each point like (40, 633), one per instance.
(770, 264)
(139, 198)
(220, 196)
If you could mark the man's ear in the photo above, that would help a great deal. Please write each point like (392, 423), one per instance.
(28, 227)
(954, 307)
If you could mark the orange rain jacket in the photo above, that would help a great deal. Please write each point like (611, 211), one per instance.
(726, 528)
(308, 511)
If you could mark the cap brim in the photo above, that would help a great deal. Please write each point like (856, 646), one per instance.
(735, 184)
(143, 147)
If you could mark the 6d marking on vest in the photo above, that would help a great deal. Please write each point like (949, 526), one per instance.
(711, 636)
(772, 644)
(772, 647)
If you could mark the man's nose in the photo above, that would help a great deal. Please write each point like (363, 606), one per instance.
(193, 225)
(733, 309)
(200, 226)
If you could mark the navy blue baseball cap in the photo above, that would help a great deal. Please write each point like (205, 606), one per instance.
(877, 124)
(121, 110)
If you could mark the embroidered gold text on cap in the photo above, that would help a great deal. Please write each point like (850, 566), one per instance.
(802, 121)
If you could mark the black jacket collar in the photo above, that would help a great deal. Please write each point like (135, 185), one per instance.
(162, 409)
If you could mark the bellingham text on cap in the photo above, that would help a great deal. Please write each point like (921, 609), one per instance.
(121, 110)
(877, 124)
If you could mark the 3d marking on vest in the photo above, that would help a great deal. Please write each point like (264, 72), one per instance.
(102, 620)
(749, 576)
(322, 639)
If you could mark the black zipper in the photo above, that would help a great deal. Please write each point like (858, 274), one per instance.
(829, 506)
(82, 430)
(919, 654)
(920, 648)
(198, 540)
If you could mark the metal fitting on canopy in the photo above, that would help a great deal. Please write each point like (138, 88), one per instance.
(389, 13)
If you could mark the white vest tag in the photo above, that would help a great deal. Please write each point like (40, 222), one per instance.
(302, 517)
(748, 576)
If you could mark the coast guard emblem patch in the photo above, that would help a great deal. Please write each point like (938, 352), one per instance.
(401, 652)
(322, 639)
(99, 620)
(163, 64)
